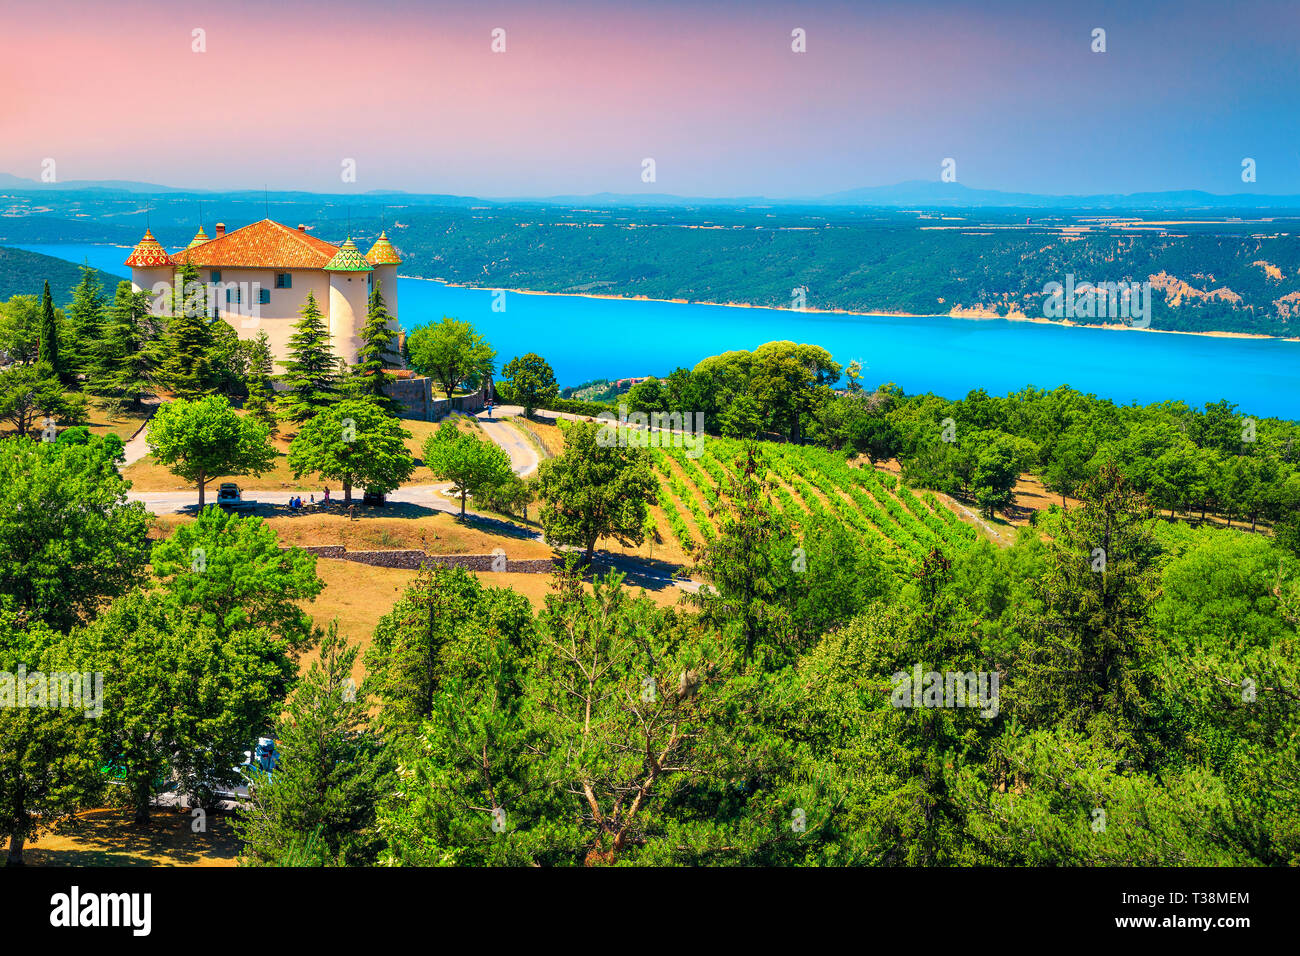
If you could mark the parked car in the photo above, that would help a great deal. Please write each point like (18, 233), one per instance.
(373, 499)
(230, 496)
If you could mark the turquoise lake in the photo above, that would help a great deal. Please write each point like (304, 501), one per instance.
(585, 338)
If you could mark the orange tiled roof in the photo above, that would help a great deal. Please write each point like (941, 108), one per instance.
(261, 245)
(148, 254)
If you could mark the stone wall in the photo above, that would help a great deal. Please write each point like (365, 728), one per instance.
(418, 397)
(412, 559)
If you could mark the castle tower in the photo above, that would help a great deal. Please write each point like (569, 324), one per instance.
(385, 260)
(348, 272)
(150, 265)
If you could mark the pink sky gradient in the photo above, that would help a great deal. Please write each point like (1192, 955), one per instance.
(287, 90)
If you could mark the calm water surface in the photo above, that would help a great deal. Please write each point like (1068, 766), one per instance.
(586, 338)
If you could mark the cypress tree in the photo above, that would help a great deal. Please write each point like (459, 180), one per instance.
(49, 337)
(311, 375)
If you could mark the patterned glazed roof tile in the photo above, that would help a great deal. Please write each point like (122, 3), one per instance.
(199, 237)
(382, 253)
(261, 245)
(148, 254)
(348, 259)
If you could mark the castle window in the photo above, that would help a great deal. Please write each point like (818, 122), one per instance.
(264, 297)
(283, 280)
(216, 275)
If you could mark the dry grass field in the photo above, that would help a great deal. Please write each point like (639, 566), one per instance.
(357, 596)
(108, 837)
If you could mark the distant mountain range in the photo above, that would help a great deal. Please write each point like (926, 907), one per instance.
(924, 194)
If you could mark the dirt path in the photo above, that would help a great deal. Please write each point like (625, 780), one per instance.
(138, 446)
(523, 456)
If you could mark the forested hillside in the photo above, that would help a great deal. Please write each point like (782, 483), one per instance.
(25, 273)
(1208, 271)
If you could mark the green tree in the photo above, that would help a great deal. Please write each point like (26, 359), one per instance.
(187, 366)
(311, 373)
(206, 438)
(370, 375)
(48, 770)
(20, 336)
(600, 487)
(452, 352)
(29, 393)
(509, 497)
(420, 647)
(356, 443)
(470, 463)
(260, 403)
(86, 319)
(49, 336)
(998, 460)
(182, 702)
(68, 537)
(127, 357)
(232, 573)
(532, 382)
(742, 565)
(1086, 662)
(318, 807)
(449, 664)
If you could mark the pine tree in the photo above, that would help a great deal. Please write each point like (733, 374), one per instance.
(1087, 660)
(85, 321)
(259, 403)
(187, 368)
(369, 376)
(312, 371)
(740, 565)
(318, 807)
(126, 358)
(49, 339)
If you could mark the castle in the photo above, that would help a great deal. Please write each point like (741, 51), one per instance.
(258, 278)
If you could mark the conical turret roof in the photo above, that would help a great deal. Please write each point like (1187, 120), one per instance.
(382, 253)
(148, 254)
(348, 259)
(200, 237)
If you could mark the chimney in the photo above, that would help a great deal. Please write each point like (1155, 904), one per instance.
(301, 227)
(221, 230)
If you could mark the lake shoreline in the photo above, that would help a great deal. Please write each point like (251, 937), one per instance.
(972, 314)
(955, 313)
